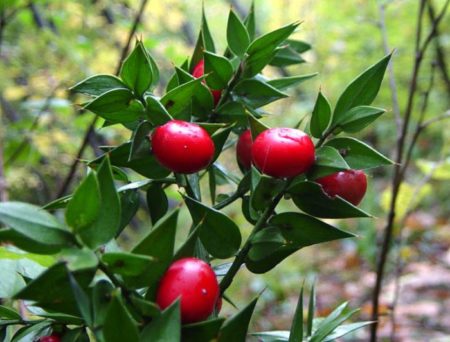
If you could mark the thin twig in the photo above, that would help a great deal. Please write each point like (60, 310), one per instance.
(397, 179)
(387, 50)
(91, 128)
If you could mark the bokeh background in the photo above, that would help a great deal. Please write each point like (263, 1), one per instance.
(46, 46)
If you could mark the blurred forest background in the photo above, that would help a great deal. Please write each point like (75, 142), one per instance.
(46, 46)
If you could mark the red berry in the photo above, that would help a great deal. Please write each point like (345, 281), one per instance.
(351, 185)
(51, 338)
(194, 282)
(199, 71)
(244, 150)
(182, 147)
(219, 305)
(283, 152)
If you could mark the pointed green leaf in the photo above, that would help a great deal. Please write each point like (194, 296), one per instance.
(176, 100)
(262, 50)
(102, 295)
(219, 69)
(98, 84)
(159, 244)
(310, 198)
(345, 329)
(84, 206)
(140, 143)
(34, 223)
(256, 126)
(129, 205)
(235, 328)
(286, 56)
(119, 326)
(250, 21)
(296, 332)
(82, 300)
(127, 264)
(202, 331)
(363, 89)
(237, 36)
(219, 138)
(157, 202)
(8, 313)
(290, 81)
(311, 310)
(137, 71)
(358, 118)
(328, 161)
(107, 224)
(357, 154)
(266, 189)
(218, 233)
(321, 116)
(256, 93)
(166, 327)
(156, 113)
(208, 42)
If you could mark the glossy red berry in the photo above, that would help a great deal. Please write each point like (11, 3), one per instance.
(51, 338)
(351, 185)
(219, 304)
(194, 282)
(244, 150)
(182, 147)
(283, 152)
(199, 71)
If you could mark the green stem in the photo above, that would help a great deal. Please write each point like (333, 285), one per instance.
(238, 194)
(240, 257)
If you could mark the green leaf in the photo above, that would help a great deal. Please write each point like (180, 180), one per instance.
(219, 234)
(296, 332)
(140, 143)
(107, 224)
(159, 244)
(298, 46)
(176, 100)
(8, 313)
(311, 310)
(127, 264)
(102, 295)
(345, 329)
(31, 331)
(219, 70)
(202, 331)
(157, 202)
(256, 126)
(357, 154)
(77, 259)
(98, 84)
(208, 42)
(34, 223)
(272, 336)
(250, 21)
(256, 93)
(137, 70)
(219, 138)
(235, 328)
(286, 56)
(84, 206)
(310, 198)
(60, 298)
(129, 205)
(187, 249)
(302, 230)
(363, 89)
(116, 106)
(119, 326)
(331, 322)
(321, 116)
(357, 118)
(266, 189)
(237, 36)
(291, 81)
(328, 161)
(263, 49)
(147, 166)
(82, 300)
(166, 327)
(156, 113)
(145, 307)
(9, 236)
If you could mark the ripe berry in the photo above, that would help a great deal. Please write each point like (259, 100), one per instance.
(283, 152)
(199, 71)
(351, 185)
(182, 147)
(194, 282)
(51, 338)
(244, 150)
